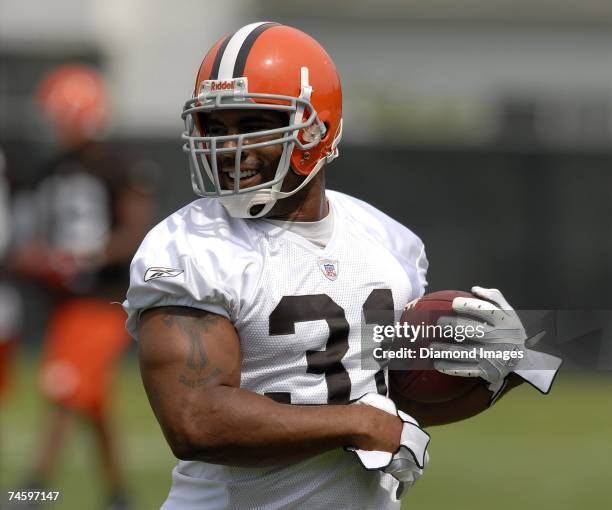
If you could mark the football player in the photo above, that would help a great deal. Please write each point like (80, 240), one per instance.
(248, 303)
(94, 214)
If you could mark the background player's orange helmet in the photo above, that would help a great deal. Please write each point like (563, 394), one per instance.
(273, 67)
(74, 99)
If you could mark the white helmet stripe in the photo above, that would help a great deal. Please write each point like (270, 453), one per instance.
(230, 55)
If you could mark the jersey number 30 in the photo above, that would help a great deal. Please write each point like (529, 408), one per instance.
(377, 309)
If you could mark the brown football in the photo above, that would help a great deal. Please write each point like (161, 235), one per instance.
(416, 379)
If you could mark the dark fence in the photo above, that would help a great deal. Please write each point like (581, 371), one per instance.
(535, 223)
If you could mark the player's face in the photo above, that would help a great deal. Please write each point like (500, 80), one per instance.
(256, 165)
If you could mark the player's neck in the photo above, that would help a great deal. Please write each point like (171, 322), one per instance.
(314, 208)
(308, 204)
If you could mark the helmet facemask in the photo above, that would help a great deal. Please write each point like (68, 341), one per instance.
(202, 151)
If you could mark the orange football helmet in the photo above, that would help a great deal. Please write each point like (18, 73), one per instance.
(273, 67)
(73, 98)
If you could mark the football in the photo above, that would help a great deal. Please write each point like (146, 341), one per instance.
(416, 379)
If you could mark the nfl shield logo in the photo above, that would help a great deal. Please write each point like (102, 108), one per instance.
(329, 268)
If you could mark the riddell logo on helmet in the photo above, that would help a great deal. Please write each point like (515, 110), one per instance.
(213, 87)
(221, 85)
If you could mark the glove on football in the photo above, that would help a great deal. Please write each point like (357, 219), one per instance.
(503, 331)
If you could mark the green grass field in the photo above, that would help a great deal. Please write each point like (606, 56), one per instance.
(529, 452)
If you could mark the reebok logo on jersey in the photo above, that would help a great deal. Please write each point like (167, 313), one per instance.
(329, 268)
(161, 272)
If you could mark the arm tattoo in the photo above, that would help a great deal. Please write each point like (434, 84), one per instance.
(194, 328)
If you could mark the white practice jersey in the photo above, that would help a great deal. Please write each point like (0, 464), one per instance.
(298, 311)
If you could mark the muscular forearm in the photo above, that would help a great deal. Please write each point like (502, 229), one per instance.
(466, 406)
(243, 428)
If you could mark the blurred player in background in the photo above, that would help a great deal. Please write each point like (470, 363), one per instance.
(10, 303)
(92, 214)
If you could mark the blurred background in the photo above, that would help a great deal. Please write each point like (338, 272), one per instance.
(486, 127)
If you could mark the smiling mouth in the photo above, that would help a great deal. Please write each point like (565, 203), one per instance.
(248, 178)
(246, 173)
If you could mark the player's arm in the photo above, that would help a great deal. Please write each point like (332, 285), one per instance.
(190, 365)
(474, 402)
(134, 210)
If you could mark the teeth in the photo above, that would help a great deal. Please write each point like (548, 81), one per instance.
(247, 173)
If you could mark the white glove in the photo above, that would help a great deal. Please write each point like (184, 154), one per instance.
(408, 462)
(503, 331)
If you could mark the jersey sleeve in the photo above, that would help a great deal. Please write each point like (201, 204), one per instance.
(172, 268)
(404, 244)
